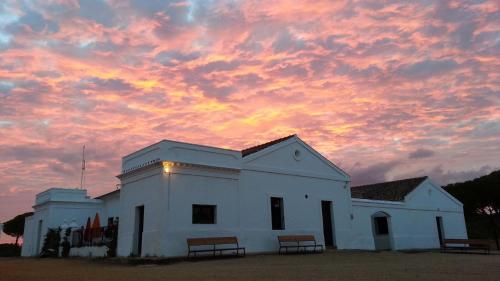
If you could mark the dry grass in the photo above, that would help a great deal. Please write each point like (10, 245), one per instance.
(328, 266)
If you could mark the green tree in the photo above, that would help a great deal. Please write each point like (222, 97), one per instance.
(481, 199)
(15, 226)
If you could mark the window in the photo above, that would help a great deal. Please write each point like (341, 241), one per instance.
(204, 214)
(381, 226)
(277, 214)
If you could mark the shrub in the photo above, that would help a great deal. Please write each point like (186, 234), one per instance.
(51, 243)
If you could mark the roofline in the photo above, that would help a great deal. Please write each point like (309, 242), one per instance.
(163, 164)
(320, 155)
(295, 138)
(180, 142)
(263, 146)
(59, 188)
(361, 200)
(438, 187)
(423, 179)
(96, 201)
(107, 194)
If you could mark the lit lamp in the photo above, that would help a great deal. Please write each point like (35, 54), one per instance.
(167, 166)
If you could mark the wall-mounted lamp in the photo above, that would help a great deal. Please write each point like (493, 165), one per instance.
(167, 166)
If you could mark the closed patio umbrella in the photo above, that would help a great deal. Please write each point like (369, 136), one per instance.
(96, 227)
(97, 221)
(86, 232)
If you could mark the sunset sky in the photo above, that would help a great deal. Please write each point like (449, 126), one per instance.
(384, 89)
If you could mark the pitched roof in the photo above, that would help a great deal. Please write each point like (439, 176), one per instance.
(388, 191)
(257, 148)
(107, 194)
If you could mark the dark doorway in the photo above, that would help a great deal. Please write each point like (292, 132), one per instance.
(277, 213)
(326, 208)
(139, 224)
(439, 224)
(381, 226)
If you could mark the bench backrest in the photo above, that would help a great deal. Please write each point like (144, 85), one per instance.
(296, 238)
(467, 241)
(212, 241)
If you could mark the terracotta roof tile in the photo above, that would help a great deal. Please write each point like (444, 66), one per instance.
(388, 191)
(257, 148)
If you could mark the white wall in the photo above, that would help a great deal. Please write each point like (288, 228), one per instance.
(301, 215)
(200, 186)
(111, 207)
(242, 198)
(28, 237)
(241, 189)
(277, 172)
(56, 207)
(412, 222)
(146, 189)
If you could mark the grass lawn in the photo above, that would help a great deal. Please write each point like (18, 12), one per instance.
(331, 265)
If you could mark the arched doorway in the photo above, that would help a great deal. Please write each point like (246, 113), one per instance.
(381, 226)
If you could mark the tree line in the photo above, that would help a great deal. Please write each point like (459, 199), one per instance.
(481, 199)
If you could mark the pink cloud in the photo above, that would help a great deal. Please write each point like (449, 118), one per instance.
(367, 83)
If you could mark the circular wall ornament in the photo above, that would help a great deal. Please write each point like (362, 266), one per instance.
(297, 155)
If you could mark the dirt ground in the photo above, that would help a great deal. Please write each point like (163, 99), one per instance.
(331, 265)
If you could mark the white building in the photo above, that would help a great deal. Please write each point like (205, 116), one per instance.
(58, 206)
(171, 191)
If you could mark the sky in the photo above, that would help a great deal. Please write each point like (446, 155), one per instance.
(384, 89)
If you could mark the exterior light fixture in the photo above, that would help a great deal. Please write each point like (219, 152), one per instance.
(167, 166)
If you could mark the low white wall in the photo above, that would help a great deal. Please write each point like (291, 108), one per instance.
(93, 252)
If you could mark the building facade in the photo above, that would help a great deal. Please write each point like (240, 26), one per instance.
(171, 191)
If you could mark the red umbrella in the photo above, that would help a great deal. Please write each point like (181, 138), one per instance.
(96, 226)
(97, 222)
(86, 232)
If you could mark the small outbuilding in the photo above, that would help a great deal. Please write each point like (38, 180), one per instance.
(412, 213)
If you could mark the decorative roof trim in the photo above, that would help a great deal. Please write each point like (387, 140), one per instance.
(169, 164)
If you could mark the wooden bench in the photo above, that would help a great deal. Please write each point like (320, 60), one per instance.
(298, 242)
(199, 245)
(466, 244)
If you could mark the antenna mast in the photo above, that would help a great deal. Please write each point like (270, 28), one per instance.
(83, 167)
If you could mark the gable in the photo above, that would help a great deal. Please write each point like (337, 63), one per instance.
(293, 156)
(431, 196)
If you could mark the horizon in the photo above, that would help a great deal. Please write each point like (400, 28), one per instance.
(383, 90)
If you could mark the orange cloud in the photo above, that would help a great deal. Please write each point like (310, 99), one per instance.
(367, 83)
